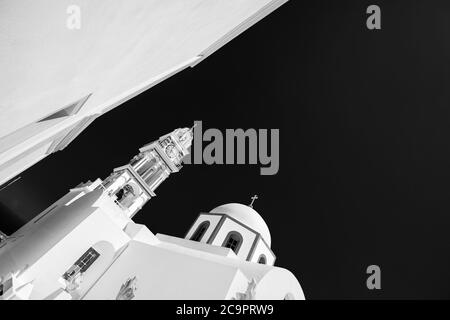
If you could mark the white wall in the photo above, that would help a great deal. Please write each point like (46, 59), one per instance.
(40, 218)
(165, 274)
(57, 241)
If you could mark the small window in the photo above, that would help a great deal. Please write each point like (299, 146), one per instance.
(145, 166)
(81, 265)
(200, 232)
(69, 110)
(127, 195)
(4, 287)
(262, 259)
(233, 241)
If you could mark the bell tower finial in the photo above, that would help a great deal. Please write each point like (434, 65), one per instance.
(254, 198)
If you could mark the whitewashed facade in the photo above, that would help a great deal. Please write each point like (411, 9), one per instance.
(86, 245)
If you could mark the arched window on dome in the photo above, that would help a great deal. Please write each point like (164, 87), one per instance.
(233, 241)
(200, 232)
(262, 259)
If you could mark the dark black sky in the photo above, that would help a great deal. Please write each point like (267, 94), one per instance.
(364, 119)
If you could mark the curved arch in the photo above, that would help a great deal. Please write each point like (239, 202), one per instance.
(233, 240)
(262, 259)
(201, 230)
(127, 194)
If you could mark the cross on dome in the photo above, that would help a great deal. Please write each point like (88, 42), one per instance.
(255, 197)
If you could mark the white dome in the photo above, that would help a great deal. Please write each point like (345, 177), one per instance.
(247, 216)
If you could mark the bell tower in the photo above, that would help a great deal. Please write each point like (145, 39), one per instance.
(133, 184)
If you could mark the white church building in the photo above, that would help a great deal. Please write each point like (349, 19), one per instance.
(86, 245)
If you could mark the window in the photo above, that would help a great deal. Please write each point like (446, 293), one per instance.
(4, 287)
(69, 110)
(200, 232)
(145, 166)
(126, 196)
(233, 241)
(124, 192)
(153, 175)
(81, 265)
(262, 259)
